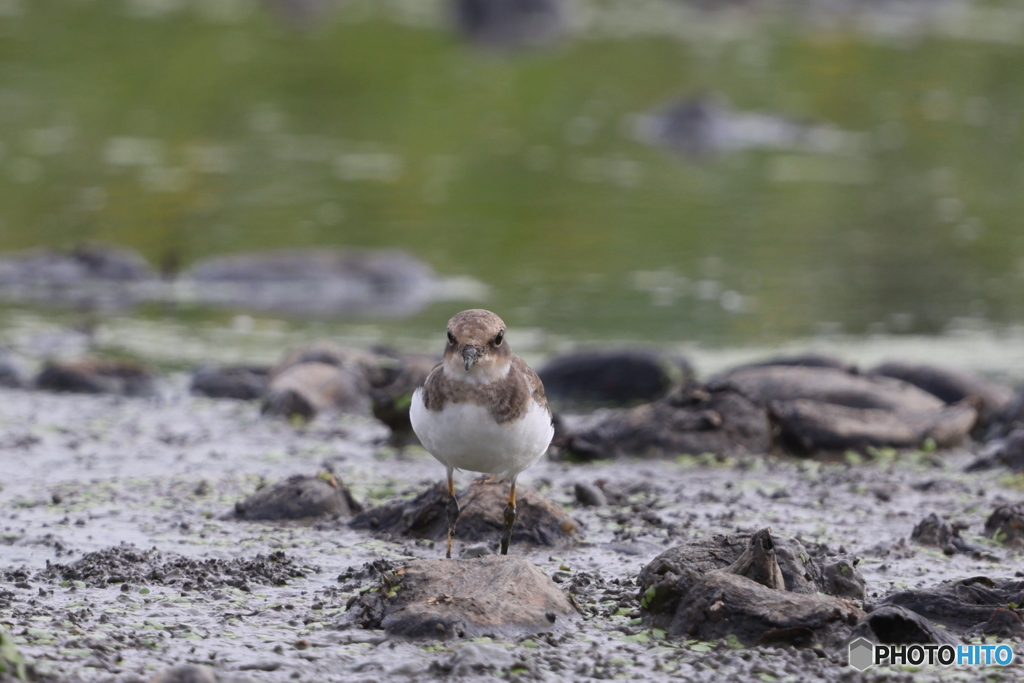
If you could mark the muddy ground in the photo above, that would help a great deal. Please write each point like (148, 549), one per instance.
(262, 601)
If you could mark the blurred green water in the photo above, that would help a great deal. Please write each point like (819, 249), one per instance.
(187, 129)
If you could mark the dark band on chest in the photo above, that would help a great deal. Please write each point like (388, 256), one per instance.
(508, 398)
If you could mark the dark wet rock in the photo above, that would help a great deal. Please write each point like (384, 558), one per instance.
(829, 409)
(244, 382)
(961, 604)
(952, 386)
(894, 625)
(612, 378)
(941, 533)
(772, 383)
(299, 497)
(747, 598)
(538, 521)
(691, 420)
(1006, 525)
(97, 376)
(306, 389)
(1004, 623)
(391, 394)
(664, 581)
(809, 426)
(1002, 452)
(317, 281)
(511, 23)
(495, 595)
(590, 495)
(127, 564)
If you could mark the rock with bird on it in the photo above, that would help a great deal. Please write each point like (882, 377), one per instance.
(539, 522)
(299, 497)
(491, 596)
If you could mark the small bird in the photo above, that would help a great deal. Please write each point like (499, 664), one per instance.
(482, 409)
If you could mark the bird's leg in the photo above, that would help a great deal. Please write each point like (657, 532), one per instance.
(510, 518)
(453, 513)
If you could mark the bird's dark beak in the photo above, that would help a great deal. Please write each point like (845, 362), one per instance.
(470, 354)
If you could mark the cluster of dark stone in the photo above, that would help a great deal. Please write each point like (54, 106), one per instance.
(798, 405)
(321, 281)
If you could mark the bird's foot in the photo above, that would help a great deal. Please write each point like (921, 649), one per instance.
(510, 520)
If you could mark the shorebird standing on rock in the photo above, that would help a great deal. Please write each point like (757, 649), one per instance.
(482, 409)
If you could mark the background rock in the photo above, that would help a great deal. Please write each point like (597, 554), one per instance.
(692, 420)
(612, 378)
(299, 497)
(307, 389)
(244, 382)
(97, 376)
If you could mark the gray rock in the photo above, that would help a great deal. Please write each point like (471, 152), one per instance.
(941, 533)
(1006, 524)
(511, 23)
(1002, 452)
(88, 275)
(614, 378)
(496, 595)
(243, 382)
(590, 495)
(691, 420)
(748, 598)
(828, 409)
(299, 497)
(306, 389)
(807, 426)
(318, 281)
(97, 376)
(664, 580)
(891, 624)
(391, 393)
(960, 604)
(952, 386)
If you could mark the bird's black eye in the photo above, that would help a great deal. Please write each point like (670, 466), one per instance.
(498, 339)
(451, 337)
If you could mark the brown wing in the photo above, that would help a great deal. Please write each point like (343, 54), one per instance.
(533, 382)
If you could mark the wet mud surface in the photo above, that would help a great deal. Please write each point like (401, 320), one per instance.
(121, 556)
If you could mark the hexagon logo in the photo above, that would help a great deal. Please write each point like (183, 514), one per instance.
(862, 653)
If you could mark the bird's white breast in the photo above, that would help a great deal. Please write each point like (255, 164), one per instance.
(466, 437)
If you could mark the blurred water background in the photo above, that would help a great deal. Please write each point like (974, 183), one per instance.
(732, 174)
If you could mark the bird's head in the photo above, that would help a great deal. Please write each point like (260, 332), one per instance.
(476, 349)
